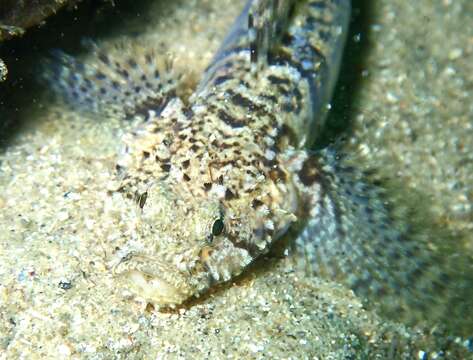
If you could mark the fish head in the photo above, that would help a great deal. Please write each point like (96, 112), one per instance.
(198, 218)
(182, 244)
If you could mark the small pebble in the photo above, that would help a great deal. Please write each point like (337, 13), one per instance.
(3, 71)
(422, 355)
(65, 285)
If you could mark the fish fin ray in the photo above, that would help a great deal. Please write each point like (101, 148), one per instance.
(123, 80)
(267, 21)
(360, 234)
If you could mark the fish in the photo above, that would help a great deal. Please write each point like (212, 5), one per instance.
(212, 182)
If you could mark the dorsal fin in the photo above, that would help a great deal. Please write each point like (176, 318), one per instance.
(267, 21)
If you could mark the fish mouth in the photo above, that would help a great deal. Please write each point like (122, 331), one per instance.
(156, 290)
(153, 280)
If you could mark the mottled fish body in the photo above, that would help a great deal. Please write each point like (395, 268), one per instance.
(294, 48)
(216, 182)
(236, 148)
(211, 185)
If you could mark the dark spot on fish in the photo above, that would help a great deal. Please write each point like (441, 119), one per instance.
(185, 164)
(144, 107)
(230, 120)
(166, 167)
(276, 80)
(270, 98)
(283, 91)
(269, 163)
(311, 21)
(124, 73)
(239, 100)
(132, 63)
(276, 174)
(244, 83)
(221, 79)
(286, 132)
(256, 203)
(186, 177)
(146, 154)
(104, 58)
(207, 186)
(100, 75)
(188, 112)
(255, 163)
(309, 173)
(229, 195)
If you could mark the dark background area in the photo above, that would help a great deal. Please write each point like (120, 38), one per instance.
(93, 19)
(96, 19)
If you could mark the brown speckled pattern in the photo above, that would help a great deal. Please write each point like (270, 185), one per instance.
(412, 119)
(229, 151)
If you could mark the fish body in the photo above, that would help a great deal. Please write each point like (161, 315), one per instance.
(232, 161)
(210, 185)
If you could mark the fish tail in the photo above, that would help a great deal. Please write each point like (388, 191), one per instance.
(300, 41)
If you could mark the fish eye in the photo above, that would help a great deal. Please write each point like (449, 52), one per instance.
(217, 227)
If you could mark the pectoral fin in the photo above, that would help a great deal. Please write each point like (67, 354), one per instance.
(355, 233)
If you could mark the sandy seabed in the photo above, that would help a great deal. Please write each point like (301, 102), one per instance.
(410, 117)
